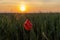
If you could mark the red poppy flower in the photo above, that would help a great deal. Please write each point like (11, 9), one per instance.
(27, 25)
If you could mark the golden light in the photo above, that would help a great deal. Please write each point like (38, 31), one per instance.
(22, 7)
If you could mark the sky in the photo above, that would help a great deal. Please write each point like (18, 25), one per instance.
(33, 5)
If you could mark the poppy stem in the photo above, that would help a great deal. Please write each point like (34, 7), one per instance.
(27, 34)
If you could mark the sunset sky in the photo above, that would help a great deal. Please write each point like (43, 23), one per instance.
(32, 5)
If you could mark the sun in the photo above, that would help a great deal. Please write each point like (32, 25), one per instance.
(22, 7)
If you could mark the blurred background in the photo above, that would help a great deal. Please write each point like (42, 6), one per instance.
(32, 6)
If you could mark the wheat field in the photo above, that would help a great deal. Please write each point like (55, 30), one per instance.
(46, 26)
